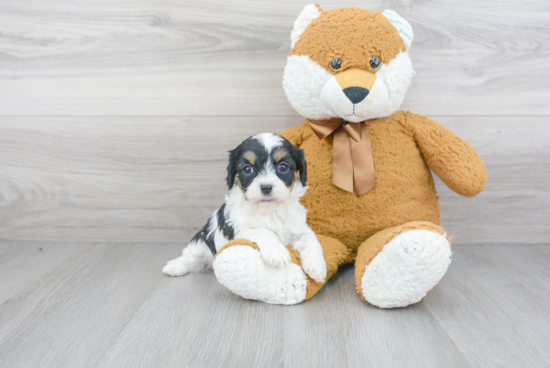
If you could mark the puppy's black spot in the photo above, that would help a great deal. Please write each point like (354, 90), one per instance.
(219, 224)
(226, 229)
(202, 235)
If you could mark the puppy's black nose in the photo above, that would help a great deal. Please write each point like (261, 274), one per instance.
(266, 189)
(356, 94)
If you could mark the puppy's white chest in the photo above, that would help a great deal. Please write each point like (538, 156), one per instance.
(279, 225)
(285, 222)
(285, 235)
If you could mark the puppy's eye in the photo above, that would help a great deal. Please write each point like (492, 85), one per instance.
(282, 168)
(336, 65)
(248, 169)
(375, 63)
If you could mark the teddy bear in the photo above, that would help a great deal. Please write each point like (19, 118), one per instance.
(371, 198)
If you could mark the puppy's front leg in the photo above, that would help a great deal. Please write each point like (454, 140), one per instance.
(272, 250)
(311, 254)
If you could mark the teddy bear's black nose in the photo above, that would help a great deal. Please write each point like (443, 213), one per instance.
(356, 94)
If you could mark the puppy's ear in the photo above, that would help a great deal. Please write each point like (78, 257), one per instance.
(234, 156)
(301, 164)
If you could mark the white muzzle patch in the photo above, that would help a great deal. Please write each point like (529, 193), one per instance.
(333, 97)
(278, 194)
(316, 94)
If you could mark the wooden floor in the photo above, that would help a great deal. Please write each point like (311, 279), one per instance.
(108, 305)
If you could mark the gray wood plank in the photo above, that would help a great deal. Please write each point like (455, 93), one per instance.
(339, 329)
(494, 305)
(158, 179)
(73, 313)
(109, 306)
(196, 322)
(226, 58)
(515, 206)
(21, 263)
(140, 179)
(74, 316)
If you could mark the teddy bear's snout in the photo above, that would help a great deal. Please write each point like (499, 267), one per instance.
(355, 83)
(356, 94)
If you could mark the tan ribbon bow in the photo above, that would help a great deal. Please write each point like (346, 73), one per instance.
(352, 154)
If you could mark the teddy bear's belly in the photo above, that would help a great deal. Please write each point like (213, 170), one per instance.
(404, 190)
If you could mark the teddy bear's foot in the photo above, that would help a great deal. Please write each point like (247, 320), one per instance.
(239, 266)
(399, 266)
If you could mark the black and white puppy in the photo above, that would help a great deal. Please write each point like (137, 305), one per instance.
(263, 207)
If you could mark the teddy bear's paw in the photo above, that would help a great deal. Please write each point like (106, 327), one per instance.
(243, 270)
(314, 264)
(275, 255)
(406, 269)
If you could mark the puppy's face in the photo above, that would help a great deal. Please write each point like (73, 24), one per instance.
(266, 167)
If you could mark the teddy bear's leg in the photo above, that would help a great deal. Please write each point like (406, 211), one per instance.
(400, 265)
(240, 267)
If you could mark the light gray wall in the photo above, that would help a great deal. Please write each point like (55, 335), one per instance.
(115, 116)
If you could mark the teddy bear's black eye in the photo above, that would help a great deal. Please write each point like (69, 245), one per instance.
(375, 63)
(336, 65)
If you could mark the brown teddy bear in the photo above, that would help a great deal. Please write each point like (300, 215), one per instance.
(371, 197)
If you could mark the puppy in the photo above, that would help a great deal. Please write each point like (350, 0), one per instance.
(263, 207)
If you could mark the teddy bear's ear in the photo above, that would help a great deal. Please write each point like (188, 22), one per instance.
(308, 14)
(403, 27)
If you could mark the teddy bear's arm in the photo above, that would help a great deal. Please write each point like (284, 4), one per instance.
(450, 157)
(294, 135)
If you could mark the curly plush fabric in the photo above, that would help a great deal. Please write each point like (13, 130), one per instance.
(407, 262)
(336, 254)
(329, 36)
(451, 158)
(376, 243)
(404, 189)
(238, 266)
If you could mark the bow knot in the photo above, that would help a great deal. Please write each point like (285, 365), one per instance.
(352, 154)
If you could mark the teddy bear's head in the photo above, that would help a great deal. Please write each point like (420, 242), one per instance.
(348, 63)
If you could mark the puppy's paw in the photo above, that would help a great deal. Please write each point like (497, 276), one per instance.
(176, 267)
(275, 255)
(313, 263)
